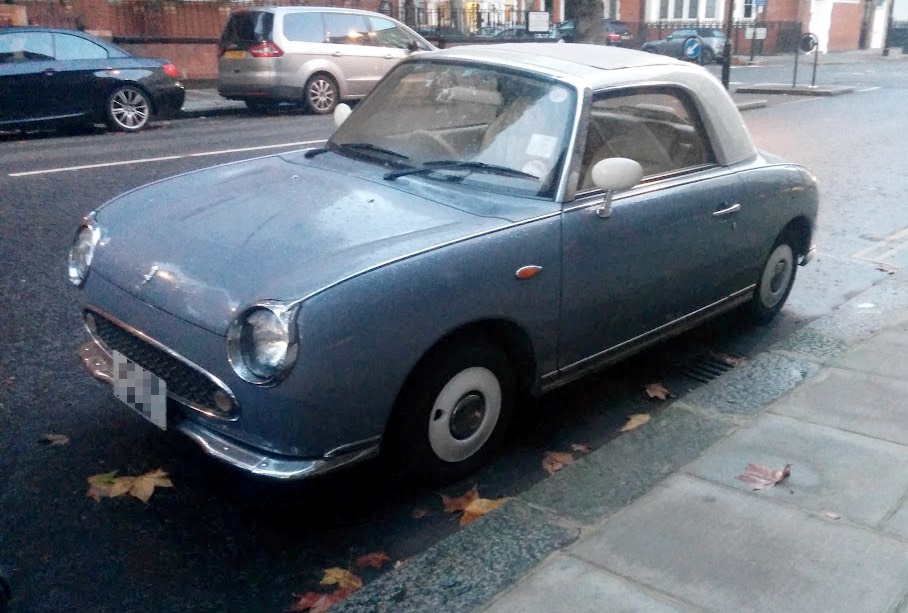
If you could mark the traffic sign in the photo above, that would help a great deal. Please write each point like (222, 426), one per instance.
(692, 47)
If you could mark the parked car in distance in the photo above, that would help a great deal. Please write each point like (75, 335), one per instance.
(490, 223)
(713, 44)
(521, 32)
(311, 56)
(617, 33)
(486, 32)
(53, 78)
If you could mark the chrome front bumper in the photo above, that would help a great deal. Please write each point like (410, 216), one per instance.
(811, 253)
(99, 364)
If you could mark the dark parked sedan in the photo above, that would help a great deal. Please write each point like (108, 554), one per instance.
(53, 78)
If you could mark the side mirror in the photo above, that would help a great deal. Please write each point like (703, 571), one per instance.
(412, 46)
(611, 175)
(341, 112)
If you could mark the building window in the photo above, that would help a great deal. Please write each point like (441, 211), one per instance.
(692, 9)
(679, 9)
(748, 9)
(710, 9)
(663, 9)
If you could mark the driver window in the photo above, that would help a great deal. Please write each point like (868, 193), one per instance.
(659, 128)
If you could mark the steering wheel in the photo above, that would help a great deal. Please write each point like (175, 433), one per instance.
(431, 143)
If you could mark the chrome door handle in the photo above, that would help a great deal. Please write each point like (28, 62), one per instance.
(727, 211)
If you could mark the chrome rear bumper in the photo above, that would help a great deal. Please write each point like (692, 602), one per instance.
(99, 364)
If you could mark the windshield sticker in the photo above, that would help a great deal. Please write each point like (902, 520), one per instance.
(541, 145)
(558, 94)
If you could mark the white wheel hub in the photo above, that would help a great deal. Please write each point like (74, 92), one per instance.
(465, 414)
(776, 276)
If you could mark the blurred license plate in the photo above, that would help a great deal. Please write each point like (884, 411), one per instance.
(625, 37)
(234, 55)
(141, 389)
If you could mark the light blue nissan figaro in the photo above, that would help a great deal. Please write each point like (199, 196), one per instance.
(490, 223)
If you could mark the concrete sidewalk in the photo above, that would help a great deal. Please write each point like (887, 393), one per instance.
(656, 520)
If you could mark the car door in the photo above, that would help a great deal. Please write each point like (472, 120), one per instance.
(350, 48)
(666, 248)
(392, 43)
(25, 57)
(76, 82)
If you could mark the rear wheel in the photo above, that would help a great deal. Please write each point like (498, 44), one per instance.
(321, 94)
(453, 412)
(128, 109)
(776, 280)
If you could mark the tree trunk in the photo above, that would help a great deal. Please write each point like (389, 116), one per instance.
(588, 16)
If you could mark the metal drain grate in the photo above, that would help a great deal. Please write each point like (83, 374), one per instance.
(704, 367)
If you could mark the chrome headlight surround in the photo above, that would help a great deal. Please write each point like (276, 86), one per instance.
(82, 251)
(262, 342)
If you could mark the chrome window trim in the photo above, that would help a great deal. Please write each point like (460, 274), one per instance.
(235, 414)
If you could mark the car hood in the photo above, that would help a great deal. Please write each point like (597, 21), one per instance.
(205, 244)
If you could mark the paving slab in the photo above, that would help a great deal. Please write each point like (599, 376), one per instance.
(884, 354)
(727, 550)
(564, 583)
(616, 474)
(898, 523)
(859, 478)
(854, 401)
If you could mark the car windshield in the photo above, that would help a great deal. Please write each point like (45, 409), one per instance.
(479, 126)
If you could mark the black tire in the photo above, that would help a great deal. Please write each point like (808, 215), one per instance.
(777, 277)
(6, 592)
(708, 55)
(128, 109)
(321, 94)
(454, 411)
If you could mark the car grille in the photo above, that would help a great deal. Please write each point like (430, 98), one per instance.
(184, 383)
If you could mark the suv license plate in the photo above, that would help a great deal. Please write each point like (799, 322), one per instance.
(141, 389)
(234, 54)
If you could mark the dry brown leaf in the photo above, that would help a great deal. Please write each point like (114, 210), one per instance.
(760, 477)
(731, 360)
(342, 578)
(480, 507)
(657, 390)
(319, 603)
(581, 448)
(374, 560)
(635, 421)
(556, 460)
(108, 485)
(453, 505)
(50, 438)
(419, 512)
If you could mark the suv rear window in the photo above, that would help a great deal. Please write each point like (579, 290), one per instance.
(247, 27)
(304, 27)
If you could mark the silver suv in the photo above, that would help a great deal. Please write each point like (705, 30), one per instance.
(308, 55)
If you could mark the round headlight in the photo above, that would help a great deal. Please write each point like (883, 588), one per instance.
(262, 343)
(81, 253)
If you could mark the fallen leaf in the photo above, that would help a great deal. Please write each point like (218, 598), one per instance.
(832, 515)
(556, 460)
(374, 560)
(319, 603)
(657, 390)
(581, 448)
(419, 512)
(480, 507)
(731, 360)
(452, 505)
(760, 477)
(635, 421)
(53, 439)
(108, 485)
(342, 578)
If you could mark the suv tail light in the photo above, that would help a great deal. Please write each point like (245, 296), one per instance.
(265, 49)
(613, 37)
(171, 71)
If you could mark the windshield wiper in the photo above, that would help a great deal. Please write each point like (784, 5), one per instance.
(503, 171)
(373, 148)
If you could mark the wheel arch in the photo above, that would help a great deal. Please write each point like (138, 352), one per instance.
(801, 231)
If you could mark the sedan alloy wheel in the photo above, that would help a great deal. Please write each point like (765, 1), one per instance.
(128, 109)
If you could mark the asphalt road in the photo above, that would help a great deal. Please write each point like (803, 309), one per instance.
(222, 541)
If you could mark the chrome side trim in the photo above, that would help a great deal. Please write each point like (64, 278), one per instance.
(259, 462)
(613, 354)
(809, 256)
(108, 357)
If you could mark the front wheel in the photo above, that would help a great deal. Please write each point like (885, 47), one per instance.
(776, 280)
(321, 94)
(453, 412)
(128, 109)
(709, 56)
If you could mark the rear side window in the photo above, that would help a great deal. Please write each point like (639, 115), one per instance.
(26, 46)
(386, 33)
(70, 47)
(248, 27)
(304, 27)
(343, 29)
